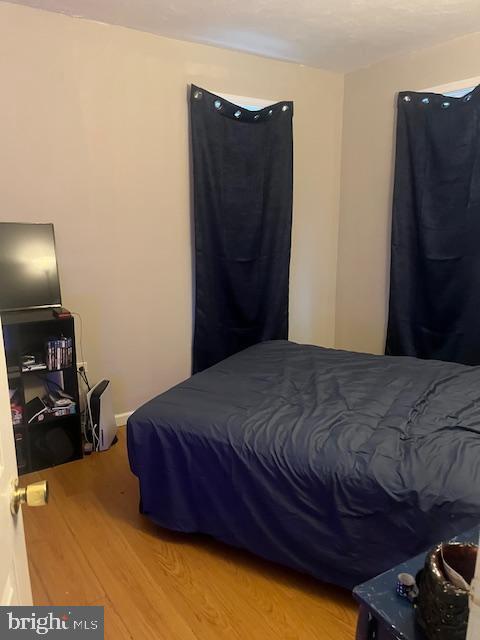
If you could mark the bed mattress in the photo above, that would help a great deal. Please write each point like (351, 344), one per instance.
(337, 464)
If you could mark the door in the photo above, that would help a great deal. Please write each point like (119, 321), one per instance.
(14, 576)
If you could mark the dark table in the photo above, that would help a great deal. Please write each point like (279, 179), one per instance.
(384, 615)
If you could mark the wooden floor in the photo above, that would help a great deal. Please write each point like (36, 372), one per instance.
(91, 546)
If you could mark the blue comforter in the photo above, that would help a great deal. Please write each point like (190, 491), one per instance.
(338, 464)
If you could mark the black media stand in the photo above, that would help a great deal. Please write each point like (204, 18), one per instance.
(44, 394)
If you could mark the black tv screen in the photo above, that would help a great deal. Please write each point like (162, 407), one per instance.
(28, 267)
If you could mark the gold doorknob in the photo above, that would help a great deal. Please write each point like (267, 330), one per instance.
(34, 495)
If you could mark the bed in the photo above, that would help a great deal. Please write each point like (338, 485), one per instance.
(337, 464)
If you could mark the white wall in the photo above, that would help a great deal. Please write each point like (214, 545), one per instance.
(94, 138)
(366, 181)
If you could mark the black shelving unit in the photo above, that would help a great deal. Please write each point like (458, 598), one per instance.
(55, 439)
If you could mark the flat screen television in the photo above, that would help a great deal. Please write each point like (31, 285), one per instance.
(28, 267)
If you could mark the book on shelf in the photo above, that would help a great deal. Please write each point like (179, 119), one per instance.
(15, 407)
(70, 410)
(59, 353)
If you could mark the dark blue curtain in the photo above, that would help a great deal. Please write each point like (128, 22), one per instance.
(242, 179)
(435, 266)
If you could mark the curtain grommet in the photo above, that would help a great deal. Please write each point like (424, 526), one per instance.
(198, 95)
(425, 100)
(217, 104)
(237, 114)
(407, 98)
(285, 107)
(445, 105)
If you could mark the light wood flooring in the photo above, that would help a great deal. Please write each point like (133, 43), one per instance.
(90, 545)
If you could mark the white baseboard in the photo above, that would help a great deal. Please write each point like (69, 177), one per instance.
(121, 418)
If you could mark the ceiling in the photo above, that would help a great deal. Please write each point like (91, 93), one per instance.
(341, 35)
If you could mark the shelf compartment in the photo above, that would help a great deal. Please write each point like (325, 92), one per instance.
(56, 439)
